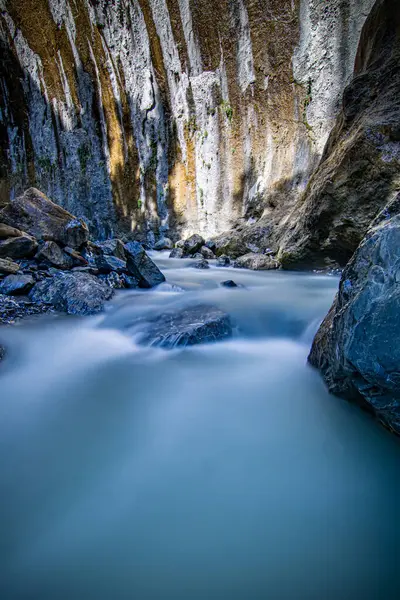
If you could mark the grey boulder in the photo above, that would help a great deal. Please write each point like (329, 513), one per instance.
(114, 247)
(8, 266)
(74, 293)
(51, 254)
(106, 264)
(15, 285)
(357, 347)
(193, 244)
(22, 246)
(207, 253)
(141, 266)
(36, 214)
(164, 244)
(256, 262)
(176, 253)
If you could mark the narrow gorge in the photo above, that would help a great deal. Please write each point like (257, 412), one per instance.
(199, 271)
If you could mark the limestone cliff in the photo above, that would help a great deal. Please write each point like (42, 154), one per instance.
(360, 169)
(179, 115)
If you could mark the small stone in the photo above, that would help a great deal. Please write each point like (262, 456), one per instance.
(193, 244)
(229, 284)
(256, 262)
(8, 266)
(15, 285)
(78, 259)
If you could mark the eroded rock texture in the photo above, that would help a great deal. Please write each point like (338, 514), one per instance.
(360, 168)
(179, 115)
(357, 347)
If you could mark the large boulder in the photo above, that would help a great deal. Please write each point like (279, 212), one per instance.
(256, 262)
(357, 347)
(8, 266)
(51, 254)
(141, 266)
(17, 285)
(164, 244)
(193, 244)
(230, 244)
(75, 293)
(106, 264)
(22, 246)
(36, 214)
(185, 327)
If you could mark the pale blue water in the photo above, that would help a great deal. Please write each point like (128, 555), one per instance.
(211, 473)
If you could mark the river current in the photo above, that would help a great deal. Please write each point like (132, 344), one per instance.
(216, 472)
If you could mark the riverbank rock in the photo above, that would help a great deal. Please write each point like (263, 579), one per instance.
(17, 285)
(201, 264)
(223, 261)
(36, 214)
(22, 246)
(8, 267)
(256, 262)
(193, 244)
(107, 264)
(357, 346)
(207, 253)
(141, 266)
(51, 254)
(186, 327)
(113, 247)
(74, 293)
(16, 308)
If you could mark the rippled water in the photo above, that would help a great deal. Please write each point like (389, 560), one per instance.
(210, 473)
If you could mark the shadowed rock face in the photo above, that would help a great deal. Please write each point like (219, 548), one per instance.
(357, 347)
(359, 171)
(154, 114)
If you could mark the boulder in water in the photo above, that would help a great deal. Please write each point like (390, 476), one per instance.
(176, 253)
(17, 285)
(141, 266)
(187, 326)
(207, 253)
(8, 266)
(256, 262)
(36, 214)
(231, 244)
(223, 261)
(193, 244)
(164, 244)
(229, 284)
(201, 264)
(75, 293)
(357, 346)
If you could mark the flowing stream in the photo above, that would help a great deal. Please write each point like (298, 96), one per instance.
(217, 472)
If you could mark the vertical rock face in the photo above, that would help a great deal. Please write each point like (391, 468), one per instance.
(180, 115)
(360, 168)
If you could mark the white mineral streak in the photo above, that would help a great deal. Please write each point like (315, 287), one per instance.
(244, 49)
(191, 41)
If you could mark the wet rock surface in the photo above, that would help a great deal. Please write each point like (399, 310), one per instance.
(141, 266)
(17, 285)
(186, 327)
(256, 262)
(357, 346)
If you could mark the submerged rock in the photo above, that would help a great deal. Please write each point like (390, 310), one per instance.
(75, 293)
(256, 262)
(357, 347)
(15, 285)
(185, 327)
(8, 266)
(201, 264)
(52, 254)
(141, 266)
(36, 214)
(15, 248)
(229, 284)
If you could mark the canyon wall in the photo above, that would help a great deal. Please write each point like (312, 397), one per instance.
(175, 116)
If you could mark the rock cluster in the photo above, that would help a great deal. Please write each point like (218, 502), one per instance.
(45, 253)
(233, 245)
